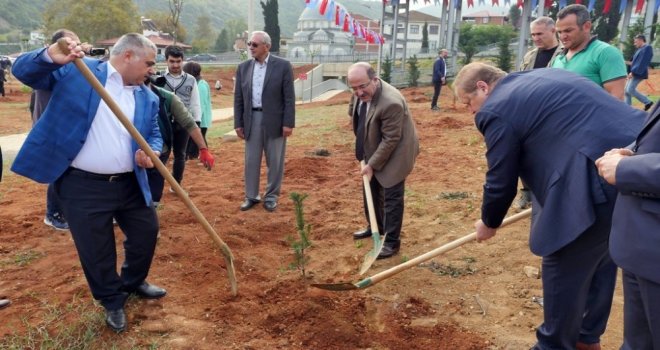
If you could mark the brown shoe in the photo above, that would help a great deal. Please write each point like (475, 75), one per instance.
(583, 346)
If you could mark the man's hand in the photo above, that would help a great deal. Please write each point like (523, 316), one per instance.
(239, 133)
(484, 232)
(58, 56)
(143, 160)
(367, 170)
(609, 161)
(206, 158)
(286, 131)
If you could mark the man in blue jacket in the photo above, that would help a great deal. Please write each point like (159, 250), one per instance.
(639, 70)
(439, 77)
(548, 127)
(98, 170)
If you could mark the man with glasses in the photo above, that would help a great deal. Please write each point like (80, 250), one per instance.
(264, 116)
(548, 127)
(99, 171)
(387, 142)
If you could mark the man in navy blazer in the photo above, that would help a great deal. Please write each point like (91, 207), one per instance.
(639, 70)
(98, 170)
(635, 237)
(548, 126)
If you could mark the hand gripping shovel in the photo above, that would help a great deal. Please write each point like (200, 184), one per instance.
(372, 255)
(63, 45)
(368, 282)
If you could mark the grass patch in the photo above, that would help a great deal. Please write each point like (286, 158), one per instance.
(453, 195)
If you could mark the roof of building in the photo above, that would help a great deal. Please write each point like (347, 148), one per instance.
(416, 16)
(159, 41)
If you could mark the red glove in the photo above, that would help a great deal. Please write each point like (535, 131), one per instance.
(206, 158)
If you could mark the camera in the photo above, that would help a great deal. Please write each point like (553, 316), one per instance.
(158, 79)
(96, 51)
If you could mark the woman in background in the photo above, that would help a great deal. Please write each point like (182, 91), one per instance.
(195, 69)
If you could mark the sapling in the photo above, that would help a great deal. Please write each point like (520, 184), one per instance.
(304, 229)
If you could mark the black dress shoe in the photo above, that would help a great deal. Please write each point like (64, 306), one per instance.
(149, 291)
(270, 205)
(116, 320)
(388, 251)
(248, 204)
(366, 233)
(4, 303)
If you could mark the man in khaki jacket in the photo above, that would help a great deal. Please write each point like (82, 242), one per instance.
(386, 139)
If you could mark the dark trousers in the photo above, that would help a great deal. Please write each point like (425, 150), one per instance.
(156, 180)
(641, 313)
(578, 286)
(388, 206)
(89, 206)
(436, 93)
(52, 202)
(2, 88)
(180, 138)
(192, 151)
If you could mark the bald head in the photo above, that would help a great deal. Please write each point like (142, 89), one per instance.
(362, 80)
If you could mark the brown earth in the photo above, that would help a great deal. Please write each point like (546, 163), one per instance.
(475, 297)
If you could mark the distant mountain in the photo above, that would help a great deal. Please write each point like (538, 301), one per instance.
(27, 14)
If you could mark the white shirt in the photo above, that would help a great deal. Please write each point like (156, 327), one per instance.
(107, 149)
(258, 78)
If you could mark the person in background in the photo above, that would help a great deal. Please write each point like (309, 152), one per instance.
(185, 86)
(3, 80)
(264, 116)
(639, 70)
(195, 69)
(548, 127)
(439, 77)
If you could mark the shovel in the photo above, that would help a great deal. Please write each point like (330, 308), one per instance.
(372, 255)
(368, 282)
(87, 73)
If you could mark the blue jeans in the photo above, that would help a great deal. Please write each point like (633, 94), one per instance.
(631, 90)
(52, 202)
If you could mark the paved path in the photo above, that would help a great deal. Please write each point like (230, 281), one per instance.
(12, 143)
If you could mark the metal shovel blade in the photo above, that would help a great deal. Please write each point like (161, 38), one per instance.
(372, 255)
(335, 287)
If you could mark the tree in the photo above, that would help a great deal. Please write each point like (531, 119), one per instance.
(204, 29)
(413, 71)
(425, 38)
(271, 23)
(235, 26)
(605, 26)
(92, 20)
(387, 69)
(222, 43)
(504, 58)
(161, 20)
(175, 13)
(514, 17)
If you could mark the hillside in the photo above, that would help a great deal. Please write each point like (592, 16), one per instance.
(27, 14)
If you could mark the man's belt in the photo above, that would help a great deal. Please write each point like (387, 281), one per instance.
(99, 177)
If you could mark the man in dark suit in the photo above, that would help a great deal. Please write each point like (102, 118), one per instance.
(98, 170)
(439, 76)
(264, 116)
(548, 126)
(635, 237)
(386, 139)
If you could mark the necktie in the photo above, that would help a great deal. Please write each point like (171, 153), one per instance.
(359, 141)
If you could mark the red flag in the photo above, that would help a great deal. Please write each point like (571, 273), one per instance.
(608, 4)
(548, 4)
(520, 3)
(323, 7)
(496, 2)
(337, 10)
(470, 3)
(345, 23)
(640, 6)
(579, 2)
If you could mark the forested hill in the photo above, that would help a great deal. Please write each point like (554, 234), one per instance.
(27, 15)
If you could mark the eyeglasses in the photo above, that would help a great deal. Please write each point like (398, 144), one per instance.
(361, 87)
(253, 44)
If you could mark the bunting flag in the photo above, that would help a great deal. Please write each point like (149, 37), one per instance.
(547, 4)
(657, 5)
(496, 2)
(470, 3)
(591, 5)
(606, 8)
(640, 6)
(622, 6)
(334, 12)
(311, 3)
(330, 13)
(520, 3)
(535, 3)
(579, 2)
(345, 26)
(562, 4)
(337, 14)
(481, 2)
(323, 7)
(507, 3)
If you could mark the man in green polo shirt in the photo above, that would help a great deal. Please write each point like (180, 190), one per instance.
(585, 55)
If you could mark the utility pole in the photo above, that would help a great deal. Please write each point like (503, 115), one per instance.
(250, 23)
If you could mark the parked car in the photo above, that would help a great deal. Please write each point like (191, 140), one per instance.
(202, 57)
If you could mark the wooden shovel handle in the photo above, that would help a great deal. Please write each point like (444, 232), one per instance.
(440, 250)
(373, 224)
(91, 78)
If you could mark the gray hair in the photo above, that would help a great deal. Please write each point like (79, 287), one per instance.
(135, 42)
(543, 20)
(265, 38)
(580, 11)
